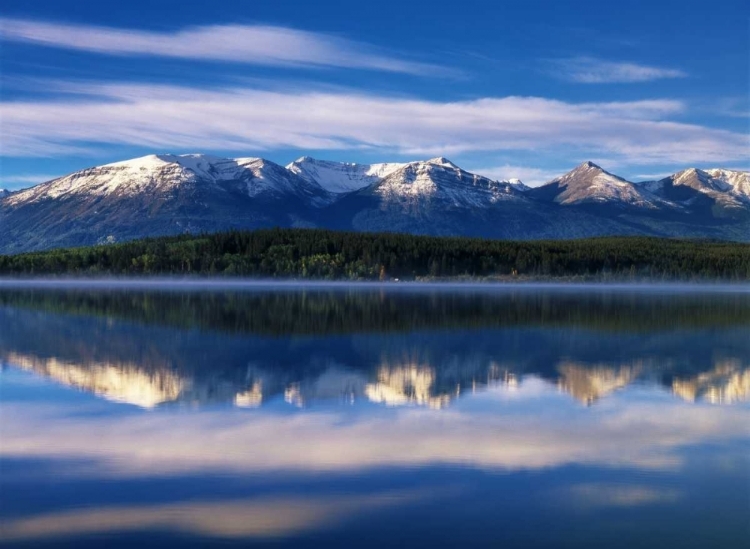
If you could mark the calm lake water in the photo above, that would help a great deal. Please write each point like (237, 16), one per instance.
(374, 416)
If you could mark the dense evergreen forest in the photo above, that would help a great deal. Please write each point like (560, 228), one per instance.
(321, 254)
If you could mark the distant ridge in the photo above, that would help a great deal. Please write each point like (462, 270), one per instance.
(168, 194)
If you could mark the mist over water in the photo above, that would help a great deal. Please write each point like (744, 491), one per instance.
(156, 412)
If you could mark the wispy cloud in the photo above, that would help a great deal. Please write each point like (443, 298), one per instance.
(252, 119)
(589, 70)
(735, 107)
(254, 44)
(12, 181)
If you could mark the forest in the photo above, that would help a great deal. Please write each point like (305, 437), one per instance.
(329, 255)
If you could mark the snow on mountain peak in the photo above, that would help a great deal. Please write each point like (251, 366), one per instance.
(738, 180)
(440, 179)
(717, 179)
(517, 184)
(700, 180)
(340, 177)
(442, 161)
(586, 167)
(589, 183)
(162, 173)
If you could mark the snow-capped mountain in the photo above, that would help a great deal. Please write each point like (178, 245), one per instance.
(738, 180)
(590, 184)
(165, 173)
(157, 195)
(340, 177)
(518, 185)
(716, 192)
(4, 193)
(170, 194)
(437, 197)
(439, 179)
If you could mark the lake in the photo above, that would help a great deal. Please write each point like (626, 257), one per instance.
(160, 413)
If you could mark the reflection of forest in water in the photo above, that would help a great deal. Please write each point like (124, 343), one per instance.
(393, 347)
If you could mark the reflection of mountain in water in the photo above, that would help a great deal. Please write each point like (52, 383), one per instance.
(589, 383)
(153, 364)
(121, 382)
(726, 383)
(392, 385)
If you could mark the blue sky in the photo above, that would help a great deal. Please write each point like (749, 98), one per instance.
(522, 89)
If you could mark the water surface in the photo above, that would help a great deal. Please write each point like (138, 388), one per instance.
(374, 416)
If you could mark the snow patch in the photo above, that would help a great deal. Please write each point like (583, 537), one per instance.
(446, 182)
(341, 177)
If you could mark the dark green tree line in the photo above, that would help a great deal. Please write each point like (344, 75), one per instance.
(321, 254)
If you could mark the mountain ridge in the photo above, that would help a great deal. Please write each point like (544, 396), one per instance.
(164, 194)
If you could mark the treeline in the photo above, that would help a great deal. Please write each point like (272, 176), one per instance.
(321, 254)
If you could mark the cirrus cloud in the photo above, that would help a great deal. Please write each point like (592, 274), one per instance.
(254, 44)
(250, 118)
(589, 70)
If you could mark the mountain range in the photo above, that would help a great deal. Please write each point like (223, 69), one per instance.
(169, 194)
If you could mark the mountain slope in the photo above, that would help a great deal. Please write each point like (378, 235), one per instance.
(340, 177)
(715, 193)
(155, 195)
(438, 180)
(590, 184)
(436, 197)
(168, 194)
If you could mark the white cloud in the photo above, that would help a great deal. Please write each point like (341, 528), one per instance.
(23, 180)
(589, 70)
(255, 44)
(650, 176)
(250, 119)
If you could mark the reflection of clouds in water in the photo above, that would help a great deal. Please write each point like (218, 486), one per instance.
(596, 495)
(496, 430)
(254, 518)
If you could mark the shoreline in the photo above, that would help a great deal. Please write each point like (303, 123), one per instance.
(198, 283)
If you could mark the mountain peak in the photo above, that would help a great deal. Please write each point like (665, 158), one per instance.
(590, 183)
(302, 160)
(171, 194)
(700, 180)
(588, 165)
(155, 161)
(442, 161)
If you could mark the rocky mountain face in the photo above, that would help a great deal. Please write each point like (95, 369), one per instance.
(156, 195)
(168, 194)
(590, 184)
(722, 194)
